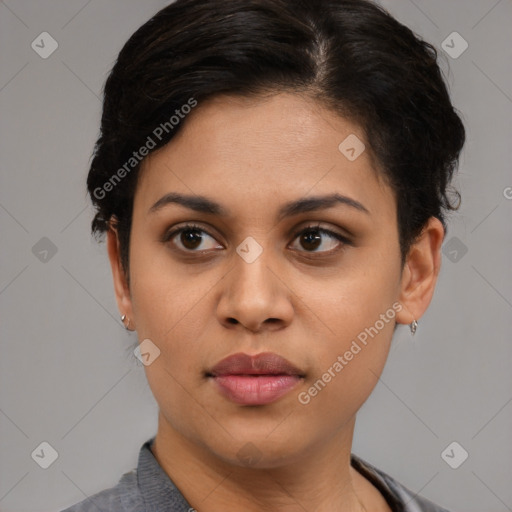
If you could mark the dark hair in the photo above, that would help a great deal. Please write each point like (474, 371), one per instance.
(349, 55)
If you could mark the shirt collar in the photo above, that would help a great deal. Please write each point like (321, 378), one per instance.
(158, 491)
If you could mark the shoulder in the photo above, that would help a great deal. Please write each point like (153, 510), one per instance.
(400, 498)
(123, 497)
(147, 487)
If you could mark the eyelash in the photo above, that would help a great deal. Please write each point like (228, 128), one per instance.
(168, 236)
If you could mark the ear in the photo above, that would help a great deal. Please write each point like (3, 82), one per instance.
(121, 288)
(421, 269)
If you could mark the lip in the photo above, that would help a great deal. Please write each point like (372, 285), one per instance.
(255, 380)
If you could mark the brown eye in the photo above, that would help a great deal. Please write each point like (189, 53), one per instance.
(312, 238)
(191, 238)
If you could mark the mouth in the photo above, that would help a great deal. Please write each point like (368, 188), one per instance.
(255, 380)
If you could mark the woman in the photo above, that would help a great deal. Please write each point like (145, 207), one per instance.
(272, 177)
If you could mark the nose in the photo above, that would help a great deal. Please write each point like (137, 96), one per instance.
(254, 296)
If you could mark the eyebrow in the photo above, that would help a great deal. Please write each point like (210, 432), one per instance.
(203, 204)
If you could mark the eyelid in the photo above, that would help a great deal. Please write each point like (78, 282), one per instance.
(345, 237)
(187, 226)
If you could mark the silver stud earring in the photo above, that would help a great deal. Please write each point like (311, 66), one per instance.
(413, 325)
(126, 326)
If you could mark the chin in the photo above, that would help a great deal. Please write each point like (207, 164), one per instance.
(257, 449)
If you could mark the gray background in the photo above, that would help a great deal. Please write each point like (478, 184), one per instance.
(67, 374)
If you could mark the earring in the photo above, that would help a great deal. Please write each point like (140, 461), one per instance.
(126, 326)
(413, 325)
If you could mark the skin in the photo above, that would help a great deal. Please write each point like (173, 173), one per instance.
(252, 155)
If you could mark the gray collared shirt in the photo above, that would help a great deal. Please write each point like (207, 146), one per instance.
(149, 489)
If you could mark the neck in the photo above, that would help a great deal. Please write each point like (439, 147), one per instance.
(320, 480)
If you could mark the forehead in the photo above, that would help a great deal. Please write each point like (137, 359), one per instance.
(262, 150)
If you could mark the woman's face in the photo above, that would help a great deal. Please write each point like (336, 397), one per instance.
(250, 278)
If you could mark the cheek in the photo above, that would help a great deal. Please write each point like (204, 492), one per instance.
(356, 316)
(346, 370)
(164, 293)
(353, 297)
(176, 316)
